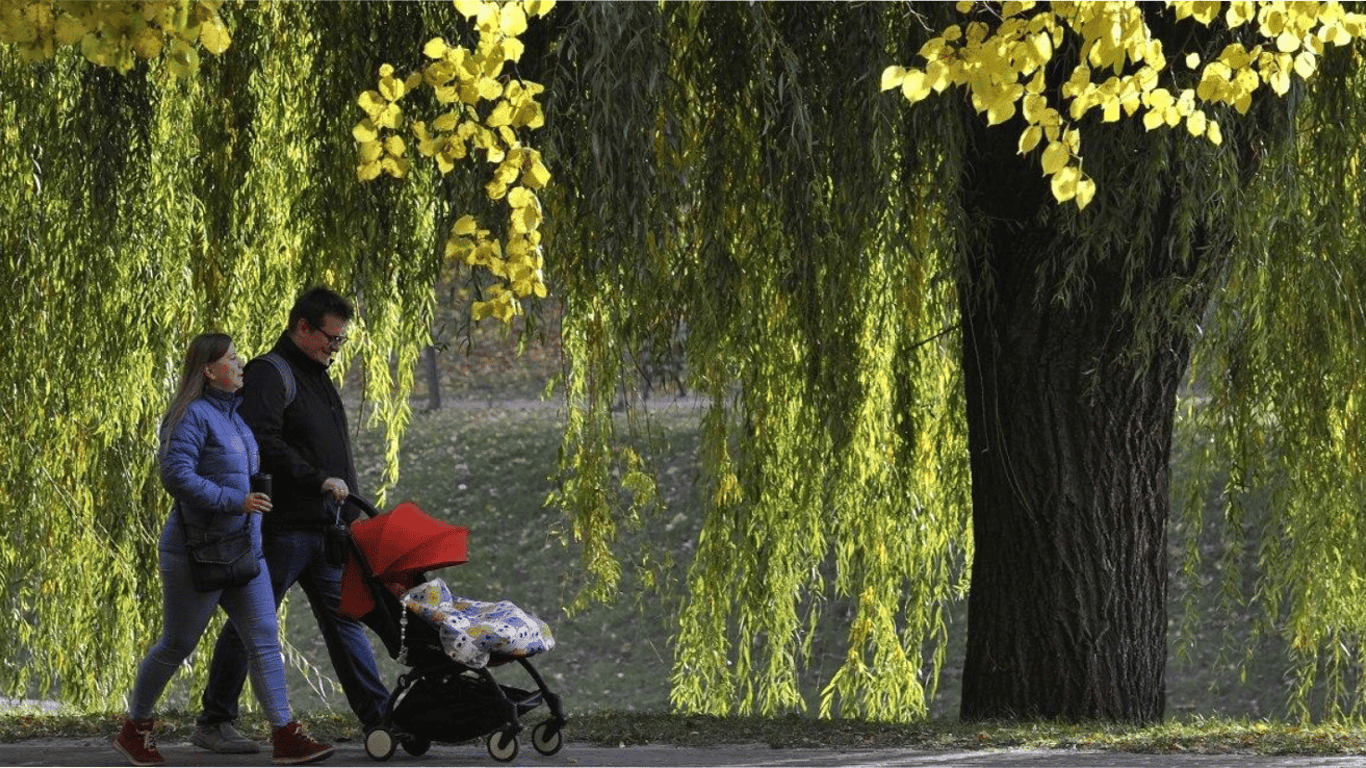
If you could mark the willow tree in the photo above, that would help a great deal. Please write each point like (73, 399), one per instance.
(171, 168)
(1078, 326)
(724, 186)
(882, 306)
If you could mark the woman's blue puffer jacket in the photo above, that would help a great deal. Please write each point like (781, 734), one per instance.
(207, 468)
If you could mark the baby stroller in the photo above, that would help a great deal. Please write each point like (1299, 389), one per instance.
(440, 698)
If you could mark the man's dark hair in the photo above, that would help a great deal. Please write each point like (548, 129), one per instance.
(315, 302)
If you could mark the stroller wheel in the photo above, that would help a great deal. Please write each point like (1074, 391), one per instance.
(379, 744)
(503, 746)
(545, 739)
(416, 746)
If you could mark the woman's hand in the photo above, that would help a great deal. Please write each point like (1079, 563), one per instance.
(256, 502)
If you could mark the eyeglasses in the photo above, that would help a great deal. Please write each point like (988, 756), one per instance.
(336, 341)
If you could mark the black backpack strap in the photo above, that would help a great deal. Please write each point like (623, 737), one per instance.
(286, 374)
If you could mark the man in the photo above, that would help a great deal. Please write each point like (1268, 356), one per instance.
(302, 431)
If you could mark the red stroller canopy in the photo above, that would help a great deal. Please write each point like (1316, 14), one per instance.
(398, 546)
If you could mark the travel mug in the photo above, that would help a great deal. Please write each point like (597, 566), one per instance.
(260, 483)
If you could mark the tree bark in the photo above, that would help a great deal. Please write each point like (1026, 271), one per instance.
(1070, 440)
(433, 373)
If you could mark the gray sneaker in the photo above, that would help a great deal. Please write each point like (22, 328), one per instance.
(223, 739)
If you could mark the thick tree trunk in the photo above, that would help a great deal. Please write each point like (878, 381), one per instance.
(1066, 616)
(1070, 439)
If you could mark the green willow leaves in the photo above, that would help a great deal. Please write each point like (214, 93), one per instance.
(142, 210)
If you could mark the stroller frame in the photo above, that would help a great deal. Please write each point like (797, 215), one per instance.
(413, 642)
(501, 722)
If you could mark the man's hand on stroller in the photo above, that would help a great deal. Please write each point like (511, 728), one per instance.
(337, 487)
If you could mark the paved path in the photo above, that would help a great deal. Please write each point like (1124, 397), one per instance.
(76, 752)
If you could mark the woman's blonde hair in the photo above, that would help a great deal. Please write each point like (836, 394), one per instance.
(204, 349)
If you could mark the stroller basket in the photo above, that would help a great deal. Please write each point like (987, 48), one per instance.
(456, 703)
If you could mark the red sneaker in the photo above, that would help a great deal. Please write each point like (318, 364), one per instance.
(294, 747)
(137, 743)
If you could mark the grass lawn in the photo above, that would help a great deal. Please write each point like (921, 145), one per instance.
(490, 468)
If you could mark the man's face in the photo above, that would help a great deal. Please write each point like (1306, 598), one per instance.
(321, 343)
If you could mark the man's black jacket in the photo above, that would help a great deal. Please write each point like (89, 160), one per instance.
(302, 442)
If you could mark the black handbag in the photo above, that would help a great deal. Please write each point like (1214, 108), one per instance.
(222, 561)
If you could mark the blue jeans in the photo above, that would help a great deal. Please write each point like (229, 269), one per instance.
(187, 613)
(298, 556)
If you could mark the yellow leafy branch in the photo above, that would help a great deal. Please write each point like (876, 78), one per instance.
(461, 80)
(1000, 55)
(116, 34)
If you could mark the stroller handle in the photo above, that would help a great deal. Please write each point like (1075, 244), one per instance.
(361, 504)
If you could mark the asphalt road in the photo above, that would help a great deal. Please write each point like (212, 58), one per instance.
(78, 752)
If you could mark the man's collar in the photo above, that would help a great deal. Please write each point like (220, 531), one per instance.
(291, 352)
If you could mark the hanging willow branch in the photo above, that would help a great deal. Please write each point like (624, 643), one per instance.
(764, 208)
(147, 210)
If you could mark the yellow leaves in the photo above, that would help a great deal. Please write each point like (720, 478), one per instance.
(535, 175)
(213, 35)
(1240, 13)
(513, 21)
(526, 111)
(435, 48)
(1122, 69)
(1305, 64)
(69, 30)
(148, 44)
(522, 265)
(1055, 157)
(1275, 70)
(1202, 11)
(1334, 33)
(500, 305)
(892, 77)
(500, 116)
(486, 89)
(182, 62)
(998, 103)
(381, 152)
(1065, 181)
(117, 34)
(465, 225)
(535, 8)
(915, 86)
(1196, 123)
(391, 88)
(469, 8)
(463, 79)
(371, 151)
(1040, 48)
(526, 210)
(1214, 133)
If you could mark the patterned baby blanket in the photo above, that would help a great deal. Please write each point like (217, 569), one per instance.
(472, 631)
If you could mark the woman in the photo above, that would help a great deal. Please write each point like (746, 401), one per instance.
(207, 457)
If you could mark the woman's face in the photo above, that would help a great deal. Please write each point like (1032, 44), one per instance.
(225, 373)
